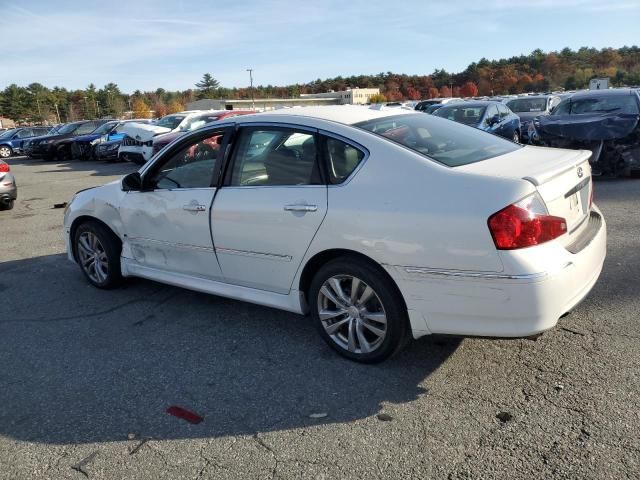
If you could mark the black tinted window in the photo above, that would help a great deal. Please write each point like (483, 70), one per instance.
(447, 142)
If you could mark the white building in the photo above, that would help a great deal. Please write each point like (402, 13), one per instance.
(355, 96)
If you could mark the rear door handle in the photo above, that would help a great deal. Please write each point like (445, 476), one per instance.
(301, 208)
(194, 207)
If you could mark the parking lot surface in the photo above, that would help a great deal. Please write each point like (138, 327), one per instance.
(87, 375)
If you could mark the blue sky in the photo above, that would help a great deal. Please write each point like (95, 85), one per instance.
(170, 44)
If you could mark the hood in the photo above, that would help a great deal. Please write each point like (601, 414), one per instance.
(590, 127)
(143, 132)
(528, 116)
(168, 138)
(87, 138)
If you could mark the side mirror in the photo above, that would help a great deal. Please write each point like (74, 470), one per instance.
(132, 182)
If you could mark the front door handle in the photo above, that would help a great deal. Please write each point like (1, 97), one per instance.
(194, 207)
(301, 208)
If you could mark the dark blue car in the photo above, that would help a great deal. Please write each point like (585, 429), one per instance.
(492, 117)
(84, 147)
(11, 141)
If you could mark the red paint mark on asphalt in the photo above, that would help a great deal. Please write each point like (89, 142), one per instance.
(184, 414)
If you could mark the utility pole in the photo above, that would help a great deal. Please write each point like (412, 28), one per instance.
(253, 99)
(86, 108)
(57, 112)
(130, 111)
(97, 109)
(450, 88)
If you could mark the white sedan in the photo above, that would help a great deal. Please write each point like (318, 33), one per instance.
(382, 224)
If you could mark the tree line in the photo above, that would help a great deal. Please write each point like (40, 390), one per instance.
(537, 71)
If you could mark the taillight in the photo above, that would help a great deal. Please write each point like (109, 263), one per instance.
(525, 224)
(4, 167)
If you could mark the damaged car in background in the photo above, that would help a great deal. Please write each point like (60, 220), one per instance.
(607, 122)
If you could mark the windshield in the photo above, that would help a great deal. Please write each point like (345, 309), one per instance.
(106, 128)
(8, 133)
(603, 104)
(68, 128)
(446, 142)
(170, 121)
(468, 115)
(528, 105)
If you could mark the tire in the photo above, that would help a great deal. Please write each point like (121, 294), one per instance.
(516, 137)
(5, 151)
(61, 155)
(7, 206)
(94, 240)
(380, 319)
(635, 173)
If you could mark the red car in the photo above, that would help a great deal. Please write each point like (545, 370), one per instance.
(206, 117)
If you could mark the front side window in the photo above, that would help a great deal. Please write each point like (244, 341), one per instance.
(504, 111)
(85, 128)
(449, 143)
(68, 128)
(103, 129)
(275, 156)
(192, 166)
(492, 111)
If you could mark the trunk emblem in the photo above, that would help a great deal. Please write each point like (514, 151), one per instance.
(580, 172)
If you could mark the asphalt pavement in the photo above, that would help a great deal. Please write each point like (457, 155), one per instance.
(86, 376)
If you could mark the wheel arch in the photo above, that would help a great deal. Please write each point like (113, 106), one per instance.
(316, 262)
(86, 219)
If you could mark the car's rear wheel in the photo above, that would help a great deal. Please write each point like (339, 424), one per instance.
(8, 205)
(5, 151)
(98, 253)
(358, 310)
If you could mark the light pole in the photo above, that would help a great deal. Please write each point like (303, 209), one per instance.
(130, 111)
(35, 94)
(253, 100)
(86, 108)
(57, 112)
(97, 109)
(450, 88)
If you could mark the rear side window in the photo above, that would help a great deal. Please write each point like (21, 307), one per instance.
(342, 159)
(275, 156)
(449, 143)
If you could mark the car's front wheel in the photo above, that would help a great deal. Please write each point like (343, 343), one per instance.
(358, 310)
(516, 137)
(5, 151)
(98, 253)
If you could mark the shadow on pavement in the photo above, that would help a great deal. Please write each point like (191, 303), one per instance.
(96, 168)
(84, 365)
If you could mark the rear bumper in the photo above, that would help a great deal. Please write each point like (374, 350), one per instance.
(503, 304)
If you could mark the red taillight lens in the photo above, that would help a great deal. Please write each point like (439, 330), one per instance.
(516, 227)
(4, 167)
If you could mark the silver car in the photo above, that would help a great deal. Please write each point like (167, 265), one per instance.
(8, 187)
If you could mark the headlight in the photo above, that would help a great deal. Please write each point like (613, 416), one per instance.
(95, 142)
(115, 146)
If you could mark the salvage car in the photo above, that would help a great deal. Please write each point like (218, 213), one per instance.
(529, 107)
(422, 105)
(137, 144)
(11, 141)
(58, 145)
(606, 122)
(107, 151)
(490, 116)
(198, 121)
(8, 187)
(82, 146)
(381, 223)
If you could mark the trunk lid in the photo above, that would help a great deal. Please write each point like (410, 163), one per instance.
(562, 178)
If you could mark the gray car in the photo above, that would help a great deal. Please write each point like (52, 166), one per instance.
(529, 107)
(8, 187)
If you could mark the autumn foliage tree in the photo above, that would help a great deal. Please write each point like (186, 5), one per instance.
(469, 89)
(141, 109)
(174, 107)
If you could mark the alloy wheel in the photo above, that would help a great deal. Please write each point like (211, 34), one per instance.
(93, 257)
(5, 152)
(352, 314)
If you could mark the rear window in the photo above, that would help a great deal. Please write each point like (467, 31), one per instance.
(470, 115)
(447, 142)
(594, 104)
(521, 105)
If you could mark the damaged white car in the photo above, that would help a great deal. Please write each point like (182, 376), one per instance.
(137, 144)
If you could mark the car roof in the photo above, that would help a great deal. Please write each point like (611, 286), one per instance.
(346, 114)
(474, 103)
(528, 97)
(612, 92)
